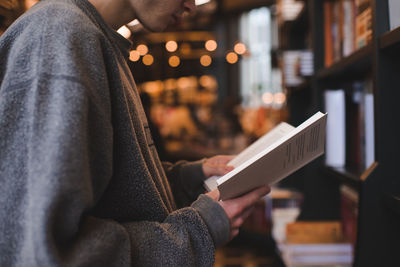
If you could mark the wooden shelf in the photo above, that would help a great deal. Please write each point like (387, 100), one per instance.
(390, 39)
(351, 177)
(354, 66)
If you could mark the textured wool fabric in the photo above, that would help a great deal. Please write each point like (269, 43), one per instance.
(80, 179)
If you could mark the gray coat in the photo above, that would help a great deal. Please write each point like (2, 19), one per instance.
(80, 179)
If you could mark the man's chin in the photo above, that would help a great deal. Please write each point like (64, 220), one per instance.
(155, 28)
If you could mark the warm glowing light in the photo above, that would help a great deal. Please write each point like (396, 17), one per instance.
(174, 61)
(268, 98)
(124, 31)
(148, 60)
(134, 55)
(142, 49)
(232, 57)
(279, 98)
(205, 60)
(171, 46)
(211, 45)
(240, 48)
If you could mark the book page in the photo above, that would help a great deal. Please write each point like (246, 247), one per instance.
(255, 148)
(286, 155)
(262, 143)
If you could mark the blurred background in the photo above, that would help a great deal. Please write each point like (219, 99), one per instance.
(233, 70)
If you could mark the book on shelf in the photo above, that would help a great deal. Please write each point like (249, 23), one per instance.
(369, 126)
(363, 23)
(349, 21)
(327, 33)
(354, 125)
(335, 106)
(316, 243)
(349, 213)
(308, 232)
(394, 11)
(347, 27)
(360, 124)
(273, 157)
(350, 137)
(301, 255)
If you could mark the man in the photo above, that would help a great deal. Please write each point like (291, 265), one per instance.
(80, 179)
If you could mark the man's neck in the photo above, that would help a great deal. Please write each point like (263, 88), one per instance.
(116, 13)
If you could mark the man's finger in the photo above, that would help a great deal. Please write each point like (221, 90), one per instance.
(252, 197)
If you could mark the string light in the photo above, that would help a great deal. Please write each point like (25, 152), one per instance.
(211, 45)
(240, 48)
(279, 98)
(232, 57)
(205, 60)
(268, 98)
(174, 61)
(142, 49)
(148, 60)
(171, 46)
(134, 55)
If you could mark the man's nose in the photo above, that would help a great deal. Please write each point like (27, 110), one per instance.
(189, 5)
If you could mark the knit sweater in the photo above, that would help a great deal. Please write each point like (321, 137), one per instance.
(80, 180)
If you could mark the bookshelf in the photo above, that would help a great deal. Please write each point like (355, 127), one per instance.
(377, 184)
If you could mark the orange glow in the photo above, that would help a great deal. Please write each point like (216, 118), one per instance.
(211, 45)
(148, 60)
(279, 98)
(268, 98)
(232, 57)
(171, 46)
(205, 60)
(142, 49)
(134, 55)
(240, 48)
(174, 61)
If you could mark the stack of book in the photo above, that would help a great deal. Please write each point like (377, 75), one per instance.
(316, 244)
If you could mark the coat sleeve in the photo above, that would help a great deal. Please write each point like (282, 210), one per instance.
(186, 179)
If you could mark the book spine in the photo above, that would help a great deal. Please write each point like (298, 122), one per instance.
(335, 154)
(327, 33)
(349, 213)
(363, 23)
(394, 11)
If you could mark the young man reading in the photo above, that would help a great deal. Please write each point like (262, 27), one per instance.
(81, 183)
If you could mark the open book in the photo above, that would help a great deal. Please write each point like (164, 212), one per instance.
(273, 157)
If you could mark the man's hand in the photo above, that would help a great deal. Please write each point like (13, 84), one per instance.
(217, 165)
(238, 209)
